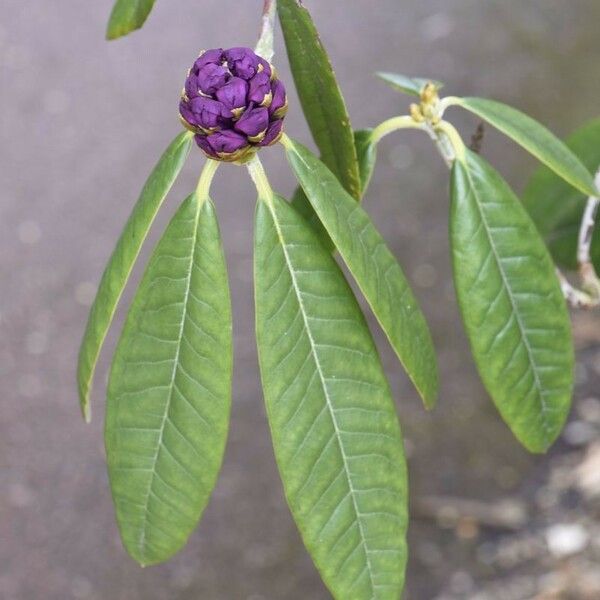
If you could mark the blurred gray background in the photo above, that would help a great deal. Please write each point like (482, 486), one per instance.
(82, 122)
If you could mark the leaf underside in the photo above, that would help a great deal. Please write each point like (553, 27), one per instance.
(511, 304)
(335, 432)
(374, 267)
(122, 260)
(557, 208)
(535, 138)
(127, 16)
(169, 392)
(407, 85)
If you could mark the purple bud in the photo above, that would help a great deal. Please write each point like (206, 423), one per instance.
(208, 113)
(187, 115)
(233, 93)
(209, 56)
(273, 133)
(279, 97)
(191, 86)
(233, 102)
(212, 77)
(253, 122)
(243, 62)
(260, 86)
(226, 141)
(202, 142)
(266, 66)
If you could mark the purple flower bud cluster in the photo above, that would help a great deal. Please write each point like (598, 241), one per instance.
(233, 102)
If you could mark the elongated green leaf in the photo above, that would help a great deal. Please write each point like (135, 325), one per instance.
(408, 85)
(335, 432)
(511, 304)
(169, 392)
(535, 138)
(367, 156)
(319, 94)
(374, 267)
(122, 260)
(127, 16)
(556, 208)
(366, 153)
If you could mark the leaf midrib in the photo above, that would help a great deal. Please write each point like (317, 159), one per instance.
(387, 329)
(532, 362)
(143, 532)
(323, 379)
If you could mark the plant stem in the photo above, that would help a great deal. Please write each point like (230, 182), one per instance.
(394, 124)
(450, 144)
(445, 136)
(259, 177)
(574, 297)
(589, 278)
(264, 47)
(206, 177)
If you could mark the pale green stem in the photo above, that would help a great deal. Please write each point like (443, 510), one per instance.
(450, 136)
(205, 180)
(259, 177)
(446, 102)
(447, 139)
(394, 124)
(264, 47)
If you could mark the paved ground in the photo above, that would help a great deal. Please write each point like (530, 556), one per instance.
(82, 121)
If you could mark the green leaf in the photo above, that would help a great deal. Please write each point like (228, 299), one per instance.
(122, 260)
(169, 392)
(127, 16)
(367, 156)
(535, 138)
(366, 153)
(557, 208)
(511, 304)
(409, 85)
(374, 267)
(335, 432)
(320, 94)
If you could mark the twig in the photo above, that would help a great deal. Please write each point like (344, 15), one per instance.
(589, 295)
(574, 297)
(264, 47)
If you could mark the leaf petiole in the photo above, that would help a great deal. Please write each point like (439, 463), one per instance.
(394, 124)
(260, 179)
(451, 134)
(205, 180)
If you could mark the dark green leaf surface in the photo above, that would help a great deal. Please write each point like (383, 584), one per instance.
(511, 304)
(408, 85)
(535, 138)
(122, 260)
(127, 16)
(169, 392)
(556, 207)
(366, 153)
(374, 267)
(367, 156)
(335, 432)
(319, 94)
